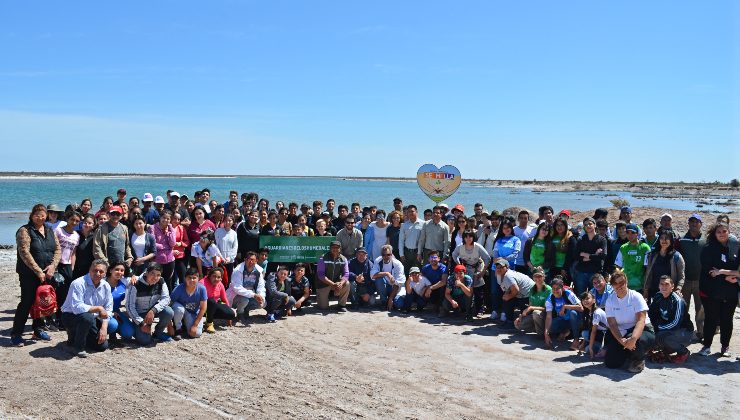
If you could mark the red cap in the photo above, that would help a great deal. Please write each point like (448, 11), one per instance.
(459, 207)
(115, 209)
(460, 267)
(565, 212)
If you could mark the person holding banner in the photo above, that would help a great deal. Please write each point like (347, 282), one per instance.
(332, 275)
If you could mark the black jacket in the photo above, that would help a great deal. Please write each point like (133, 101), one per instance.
(716, 255)
(671, 313)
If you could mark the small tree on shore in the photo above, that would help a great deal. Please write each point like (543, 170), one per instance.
(619, 202)
(735, 183)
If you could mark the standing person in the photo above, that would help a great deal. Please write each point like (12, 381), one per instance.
(434, 236)
(189, 302)
(147, 299)
(84, 252)
(364, 223)
(408, 238)
(338, 223)
(590, 253)
(670, 317)
(227, 242)
(150, 214)
(112, 242)
(507, 245)
(650, 229)
(87, 311)
(165, 239)
(691, 245)
(538, 250)
(272, 228)
(332, 275)
(198, 225)
(218, 303)
(176, 208)
(394, 231)
(523, 230)
(349, 237)
(719, 287)
(121, 197)
(376, 235)
(565, 245)
(631, 258)
(475, 259)
(488, 231)
(631, 334)
(182, 242)
(38, 253)
(516, 287)
(456, 237)
(533, 316)
(68, 240)
(248, 235)
(662, 260)
(389, 279)
(143, 247)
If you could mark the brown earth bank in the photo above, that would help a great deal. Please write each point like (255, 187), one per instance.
(369, 364)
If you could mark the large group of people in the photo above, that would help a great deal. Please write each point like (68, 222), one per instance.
(162, 269)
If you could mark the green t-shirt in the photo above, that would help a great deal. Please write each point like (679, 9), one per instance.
(559, 255)
(539, 298)
(632, 260)
(537, 254)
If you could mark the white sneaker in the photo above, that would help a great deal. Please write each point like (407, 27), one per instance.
(494, 315)
(503, 317)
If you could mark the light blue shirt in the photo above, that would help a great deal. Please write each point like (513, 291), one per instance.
(408, 237)
(83, 295)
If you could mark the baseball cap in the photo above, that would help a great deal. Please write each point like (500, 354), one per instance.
(450, 217)
(538, 271)
(115, 209)
(459, 207)
(459, 268)
(600, 212)
(335, 243)
(397, 200)
(626, 209)
(443, 205)
(414, 270)
(501, 261)
(565, 212)
(121, 191)
(147, 197)
(695, 216)
(361, 249)
(158, 200)
(633, 228)
(54, 207)
(668, 215)
(175, 194)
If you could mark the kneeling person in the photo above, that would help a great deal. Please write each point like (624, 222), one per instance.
(459, 294)
(670, 317)
(279, 300)
(146, 300)
(87, 311)
(189, 303)
(417, 287)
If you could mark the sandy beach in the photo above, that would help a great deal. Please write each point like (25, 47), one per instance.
(358, 364)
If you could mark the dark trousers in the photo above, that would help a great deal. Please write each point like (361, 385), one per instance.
(411, 259)
(62, 289)
(465, 303)
(437, 296)
(168, 271)
(616, 355)
(181, 266)
(514, 303)
(718, 312)
(83, 330)
(29, 284)
(218, 310)
(412, 298)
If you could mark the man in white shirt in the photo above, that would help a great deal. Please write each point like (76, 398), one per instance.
(416, 288)
(389, 279)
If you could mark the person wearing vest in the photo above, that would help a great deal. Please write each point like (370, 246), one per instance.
(147, 299)
(247, 288)
(332, 275)
(38, 255)
(690, 246)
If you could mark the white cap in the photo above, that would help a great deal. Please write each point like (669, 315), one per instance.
(668, 215)
(147, 197)
(443, 205)
(158, 200)
(175, 194)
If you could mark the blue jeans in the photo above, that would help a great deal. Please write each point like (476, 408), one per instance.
(384, 289)
(399, 301)
(598, 341)
(126, 329)
(496, 294)
(242, 304)
(583, 282)
(571, 320)
(164, 318)
(181, 315)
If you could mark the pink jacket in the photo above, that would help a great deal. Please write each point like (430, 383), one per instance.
(165, 244)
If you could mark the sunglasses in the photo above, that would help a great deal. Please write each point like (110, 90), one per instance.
(387, 255)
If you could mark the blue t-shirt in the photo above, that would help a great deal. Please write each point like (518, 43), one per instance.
(506, 246)
(456, 291)
(151, 216)
(601, 299)
(567, 298)
(190, 302)
(119, 293)
(434, 275)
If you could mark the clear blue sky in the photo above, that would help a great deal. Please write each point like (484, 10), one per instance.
(592, 90)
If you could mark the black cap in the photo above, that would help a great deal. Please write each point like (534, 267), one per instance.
(397, 200)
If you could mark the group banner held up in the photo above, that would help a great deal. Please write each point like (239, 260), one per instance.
(294, 249)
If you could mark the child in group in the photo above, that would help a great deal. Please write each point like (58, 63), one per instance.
(218, 303)
(595, 326)
(206, 253)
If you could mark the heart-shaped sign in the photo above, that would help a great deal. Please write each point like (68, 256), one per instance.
(438, 183)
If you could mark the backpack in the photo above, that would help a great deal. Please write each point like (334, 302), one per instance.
(45, 303)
